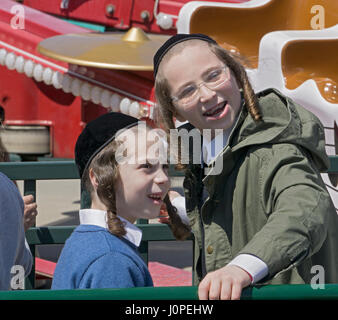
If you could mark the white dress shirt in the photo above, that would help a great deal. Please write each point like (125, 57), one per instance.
(99, 218)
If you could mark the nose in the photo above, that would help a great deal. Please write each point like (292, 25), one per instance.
(161, 176)
(206, 93)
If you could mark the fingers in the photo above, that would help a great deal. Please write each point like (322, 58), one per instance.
(164, 220)
(30, 221)
(216, 290)
(30, 211)
(236, 291)
(30, 205)
(226, 284)
(31, 208)
(28, 199)
(226, 292)
(163, 212)
(203, 288)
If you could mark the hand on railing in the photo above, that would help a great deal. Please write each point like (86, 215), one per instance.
(30, 212)
(226, 283)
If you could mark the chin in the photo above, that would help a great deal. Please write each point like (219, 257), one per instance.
(151, 214)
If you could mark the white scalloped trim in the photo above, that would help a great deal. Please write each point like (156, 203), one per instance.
(77, 85)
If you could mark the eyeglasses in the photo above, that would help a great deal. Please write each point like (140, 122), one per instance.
(213, 80)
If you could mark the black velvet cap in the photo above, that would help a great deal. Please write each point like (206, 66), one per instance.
(171, 42)
(97, 134)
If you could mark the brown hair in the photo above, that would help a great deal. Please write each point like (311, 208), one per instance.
(180, 230)
(105, 168)
(166, 109)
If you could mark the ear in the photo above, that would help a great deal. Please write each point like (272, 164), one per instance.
(93, 179)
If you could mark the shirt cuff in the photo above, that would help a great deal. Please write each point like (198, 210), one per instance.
(179, 204)
(255, 267)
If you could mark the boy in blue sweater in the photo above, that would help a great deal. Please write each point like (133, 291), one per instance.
(102, 251)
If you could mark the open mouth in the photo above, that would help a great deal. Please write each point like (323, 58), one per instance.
(216, 111)
(156, 197)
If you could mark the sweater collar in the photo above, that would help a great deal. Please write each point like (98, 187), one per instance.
(99, 218)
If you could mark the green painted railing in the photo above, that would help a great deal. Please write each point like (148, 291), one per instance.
(54, 170)
(58, 234)
(270, 292)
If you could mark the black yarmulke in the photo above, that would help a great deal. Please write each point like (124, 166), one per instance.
(180, 37)
(97, 134)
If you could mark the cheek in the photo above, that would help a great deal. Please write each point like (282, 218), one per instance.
(190, 111)
(231, 91)
(124, 184)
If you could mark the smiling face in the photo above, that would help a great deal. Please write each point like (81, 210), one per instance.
(143, 183)
(213, 109)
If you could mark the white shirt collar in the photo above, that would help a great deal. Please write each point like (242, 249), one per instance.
(211, 148)
(99, 218)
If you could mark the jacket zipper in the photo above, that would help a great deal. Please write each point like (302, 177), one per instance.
(201, 202)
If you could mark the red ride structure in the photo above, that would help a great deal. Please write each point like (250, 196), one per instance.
(45, 103)
(153, 16)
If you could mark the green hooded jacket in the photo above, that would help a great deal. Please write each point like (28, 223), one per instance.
(269, 200)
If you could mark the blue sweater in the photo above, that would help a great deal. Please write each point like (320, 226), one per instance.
(94, 258)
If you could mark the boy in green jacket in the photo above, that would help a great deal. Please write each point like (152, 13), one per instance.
(267, 217)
